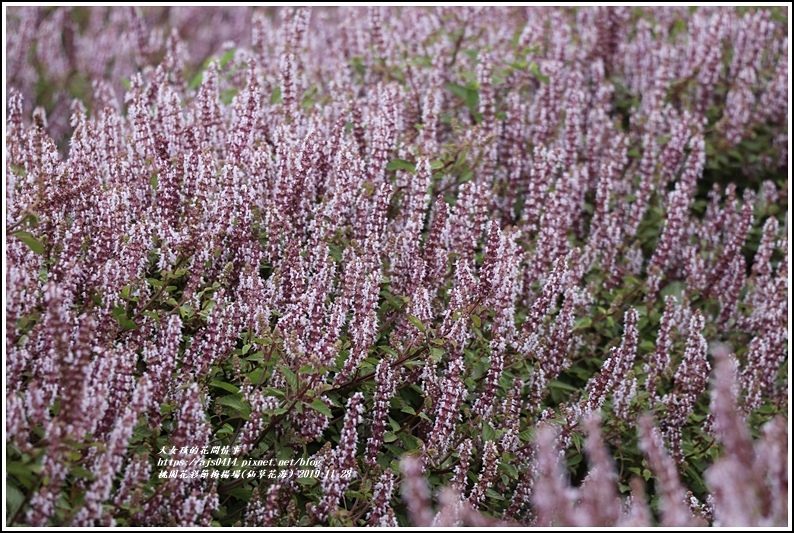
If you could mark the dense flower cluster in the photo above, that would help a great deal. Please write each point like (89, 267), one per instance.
(414, 263)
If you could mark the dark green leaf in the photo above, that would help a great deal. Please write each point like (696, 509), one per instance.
(14, 499)
(526, 436)
(436, 354)
(289, 375)
(561, 385)
(490, 493)
(225, 386)
(319, 406)
(241, 493)
(32, 242)
(535, 71)
(418, 323)
(225, 58)
(196, 81)
(401, 164)
(236, 404)
(488, 432)
(24, 473)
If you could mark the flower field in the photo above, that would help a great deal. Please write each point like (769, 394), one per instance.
(397, 266)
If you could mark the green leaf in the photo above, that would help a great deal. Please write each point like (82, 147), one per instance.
(127, 324)
(14, 500)
(235, 403)
(526, 436)
(80, 472)
(476, 321)
(578, 441)
(24, 473)
(473, 102)
(535, 71)
(488, 432)
(389, 350)
(470, 95)
(416, 322)
(196, 81)
(228, 95)
(458, 90)
(225, 386)
(358, 495)
(227, 429)
(436, 354)
(647, 345)
(120, 314)
(490, 493)
(275, 98)
(319, 406)
(289, 375)
(561, 385)
(32, 242)
(284, 453)
(141, 432)
(389, 437)
(509, 469)
(401, 164)
(409, 441)
(357, 62)
(241, 493)
(582, 323)
(575, 459)
(270, 391)
(675, 288)
(225, 58)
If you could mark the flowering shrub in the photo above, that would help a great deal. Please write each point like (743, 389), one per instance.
(397, 266)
